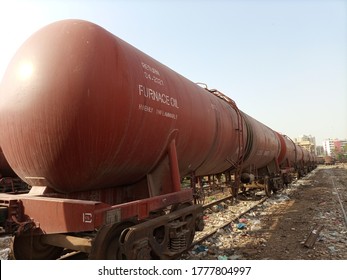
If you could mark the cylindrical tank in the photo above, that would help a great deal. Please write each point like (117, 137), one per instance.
(283, 151)
(263, 145)
(307, 156)
(81, 109)
(288, 154)
(299, 155)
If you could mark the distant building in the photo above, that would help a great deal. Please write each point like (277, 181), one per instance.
(320, 151)
(332, 147)
(308, 142)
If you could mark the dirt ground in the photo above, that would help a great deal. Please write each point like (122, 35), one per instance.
(279, 228)
(315, 202)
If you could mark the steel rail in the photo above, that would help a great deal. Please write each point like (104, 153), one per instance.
(339, 199)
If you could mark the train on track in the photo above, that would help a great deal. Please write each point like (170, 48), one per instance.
(104, 134)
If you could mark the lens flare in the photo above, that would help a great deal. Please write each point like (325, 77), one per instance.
(25, 70)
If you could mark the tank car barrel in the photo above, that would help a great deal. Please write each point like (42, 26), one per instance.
(101, 112)
(104, 133)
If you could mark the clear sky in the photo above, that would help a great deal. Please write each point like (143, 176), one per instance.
(283, 62)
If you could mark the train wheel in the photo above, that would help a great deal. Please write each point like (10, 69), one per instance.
(280, 185)
(30, 247)
(106, 244)
(199, 196)
(268, 187)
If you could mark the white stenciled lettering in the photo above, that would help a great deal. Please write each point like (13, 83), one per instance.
(173, 102)
(153, 78)
(145, 108)
(158, 96)
(166, 114)
(141, 90)
(150, 69)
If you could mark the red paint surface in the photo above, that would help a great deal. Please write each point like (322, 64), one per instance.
(95, 112)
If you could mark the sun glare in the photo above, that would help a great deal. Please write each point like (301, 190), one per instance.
(25, 70)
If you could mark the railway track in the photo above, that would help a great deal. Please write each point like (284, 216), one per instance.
(223, 224)
(214, 208)
(74, 255)
(339, 190)
(279, 227)
(220, 215)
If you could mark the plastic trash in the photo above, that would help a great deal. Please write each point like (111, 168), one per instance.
(200, 248)
(241, 226)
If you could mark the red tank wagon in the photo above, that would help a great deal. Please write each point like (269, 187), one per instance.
(104, 134)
